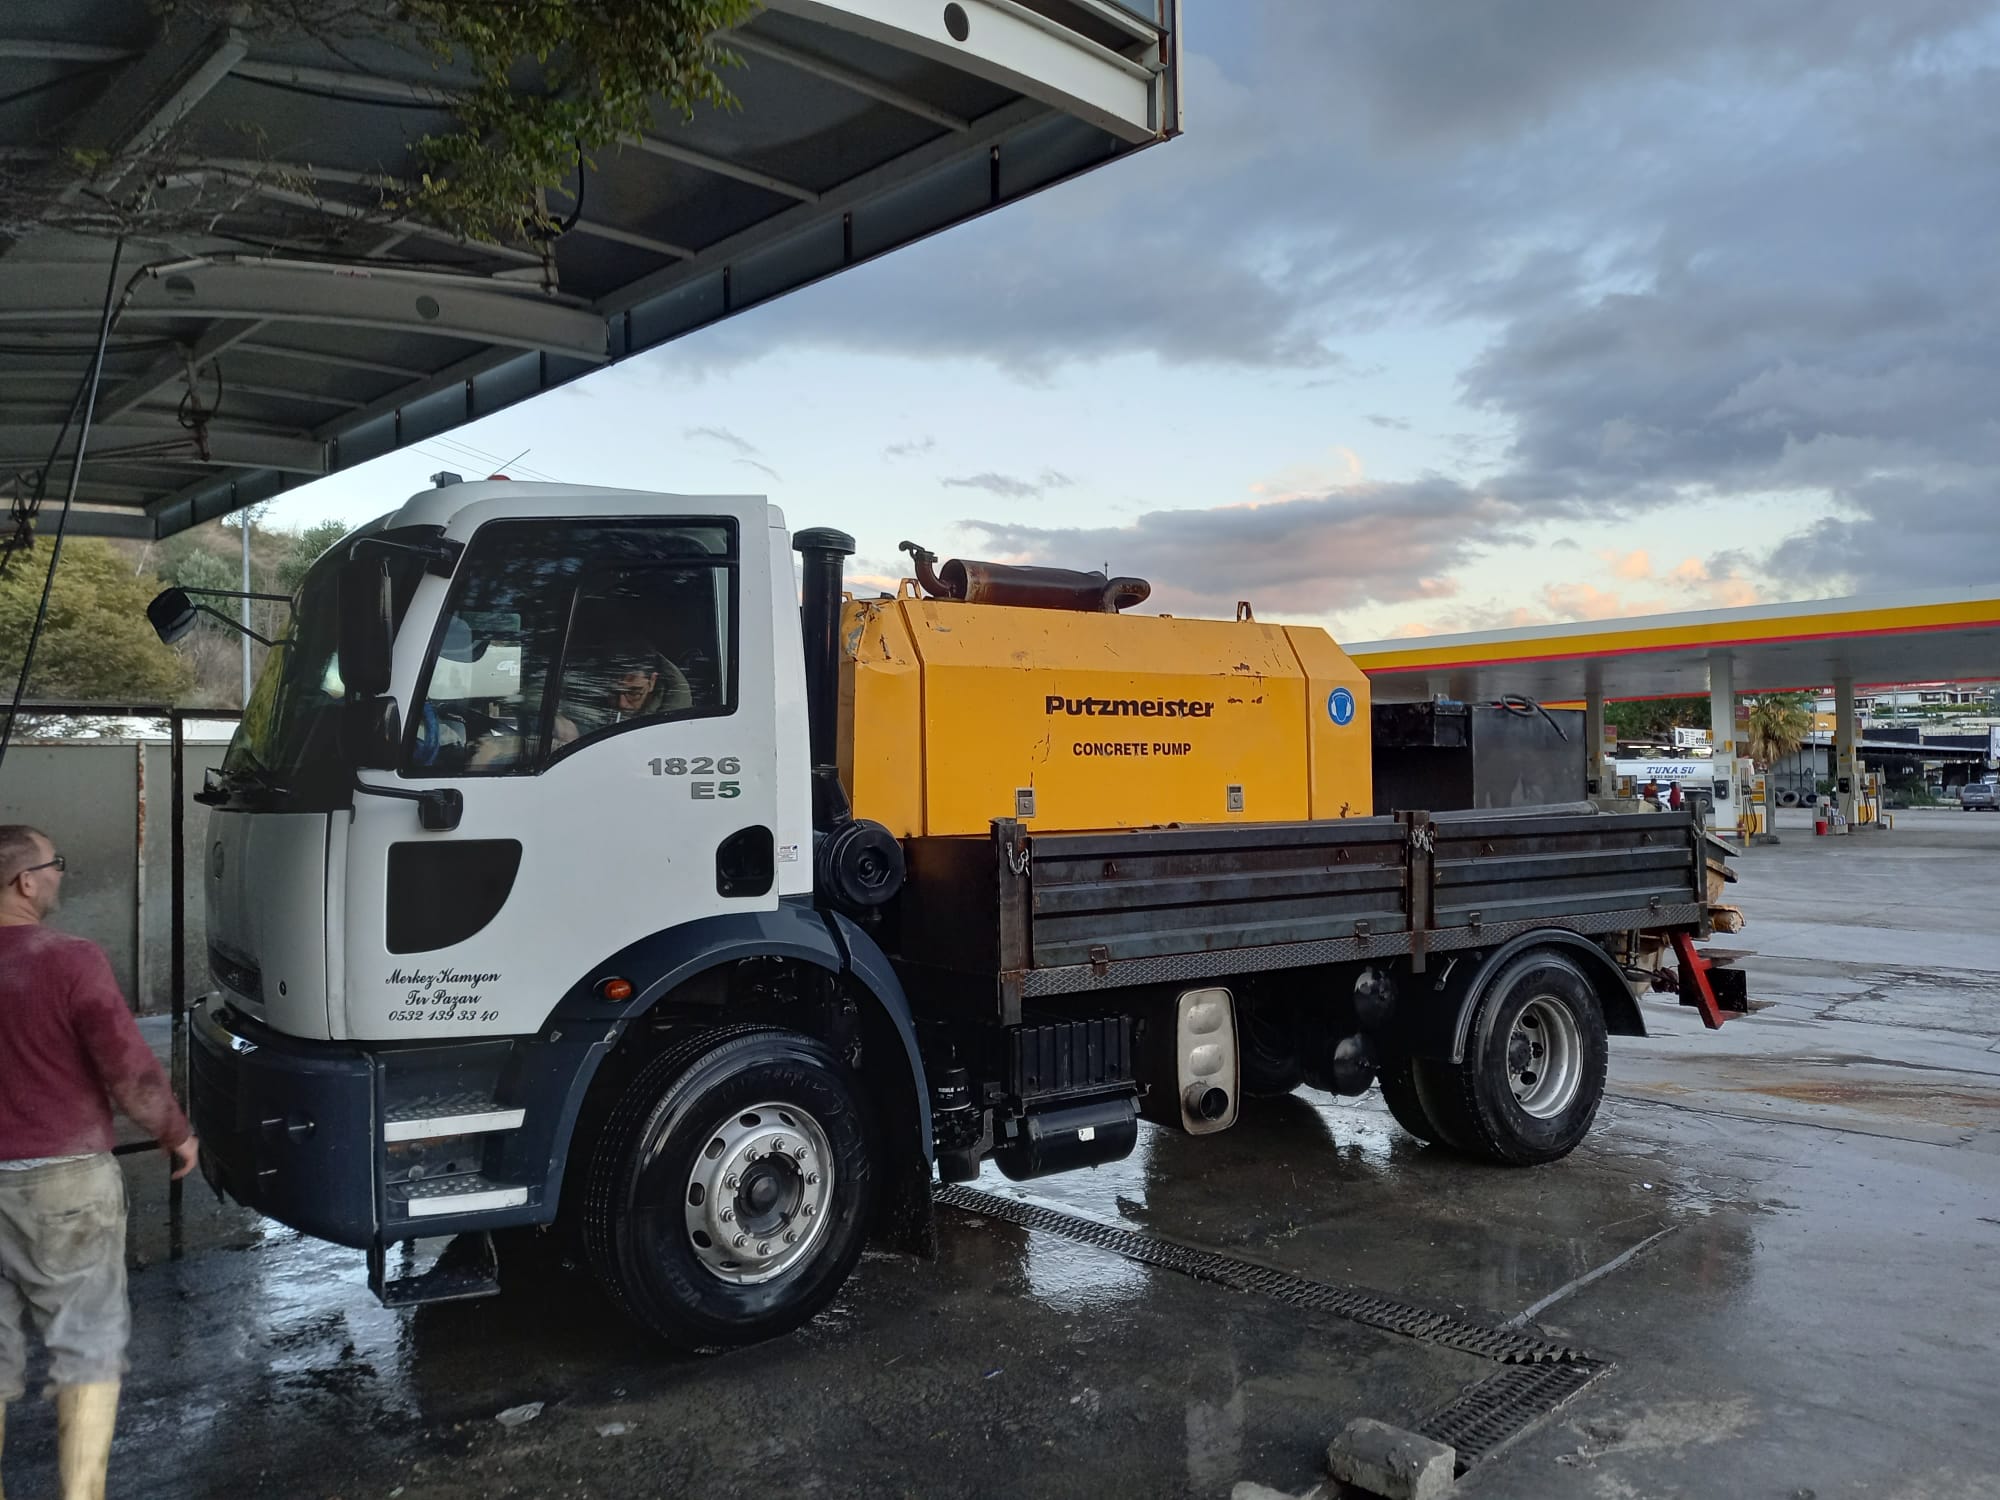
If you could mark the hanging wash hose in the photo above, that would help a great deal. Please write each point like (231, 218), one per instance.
(1522, 704)
(86, 398)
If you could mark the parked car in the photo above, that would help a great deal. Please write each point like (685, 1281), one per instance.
(1979, 796)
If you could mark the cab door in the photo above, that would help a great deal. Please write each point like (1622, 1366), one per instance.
(599, 690)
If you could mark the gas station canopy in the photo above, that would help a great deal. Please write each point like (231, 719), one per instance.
(1868, 642)
(285, 326)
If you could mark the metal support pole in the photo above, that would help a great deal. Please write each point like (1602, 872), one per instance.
(177, 743)
(243, 605)
(1596, 764)
(1722, 739)
(139, 995)
(1846, 754)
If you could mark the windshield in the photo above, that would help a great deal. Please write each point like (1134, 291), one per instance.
(289, 740)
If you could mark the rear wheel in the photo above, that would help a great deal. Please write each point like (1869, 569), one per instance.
(1533, 1073)
(730, 1189)
(1399, 1092)
(1268, 1050)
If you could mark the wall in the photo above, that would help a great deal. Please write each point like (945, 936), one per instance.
(85, 794)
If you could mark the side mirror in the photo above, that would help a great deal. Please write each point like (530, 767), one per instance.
(171, 614)
(371, 733)
(365, 627)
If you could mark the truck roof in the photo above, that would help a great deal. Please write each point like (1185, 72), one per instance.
(442, 505)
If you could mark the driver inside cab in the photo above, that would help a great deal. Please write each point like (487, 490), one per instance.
(613, 686)
(628, 682)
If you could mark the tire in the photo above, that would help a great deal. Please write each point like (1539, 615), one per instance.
(772, 1104)
(1505, 1103)
(1400, 1093)
(1268, 1051)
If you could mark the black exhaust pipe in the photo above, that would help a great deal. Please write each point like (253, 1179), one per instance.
(822, 552)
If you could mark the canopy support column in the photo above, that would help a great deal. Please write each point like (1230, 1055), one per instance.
(1722, 741)
(1597, 769)
(1846, 748)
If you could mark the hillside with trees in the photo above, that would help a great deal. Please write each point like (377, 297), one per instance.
(97, 647)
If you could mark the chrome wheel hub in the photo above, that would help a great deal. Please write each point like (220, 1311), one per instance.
(1545, 1058)
(758, 1196)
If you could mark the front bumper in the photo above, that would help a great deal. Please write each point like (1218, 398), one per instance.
(368, 1144)
(287, 1128)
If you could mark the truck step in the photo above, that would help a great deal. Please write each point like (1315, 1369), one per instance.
(467, 1267)
(460, 1193)
(465, 1113)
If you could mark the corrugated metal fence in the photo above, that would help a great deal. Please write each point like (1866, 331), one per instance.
(118, 800)
(107, 800)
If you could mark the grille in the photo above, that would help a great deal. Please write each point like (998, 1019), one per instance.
(1538, 1377)
(1507, 1345)
(1493, 1413)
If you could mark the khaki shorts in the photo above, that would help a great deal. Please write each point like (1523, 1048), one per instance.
(62, 1262)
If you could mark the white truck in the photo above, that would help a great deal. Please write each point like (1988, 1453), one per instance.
(534, 896)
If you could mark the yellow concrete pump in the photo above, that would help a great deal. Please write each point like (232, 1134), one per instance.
(959, 706)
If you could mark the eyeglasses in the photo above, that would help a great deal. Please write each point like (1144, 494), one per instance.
(60, 862)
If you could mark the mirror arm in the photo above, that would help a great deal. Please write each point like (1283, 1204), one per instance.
(236, 625)
(438, 809)
(284, 599)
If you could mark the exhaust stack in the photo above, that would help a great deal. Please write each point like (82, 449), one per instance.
(823, 551)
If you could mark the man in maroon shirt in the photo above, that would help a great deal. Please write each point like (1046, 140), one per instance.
(69, 1051)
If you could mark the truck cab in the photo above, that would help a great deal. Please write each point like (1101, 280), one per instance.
(432, 907)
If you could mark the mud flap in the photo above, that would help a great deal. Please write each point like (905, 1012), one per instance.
(906, 1218)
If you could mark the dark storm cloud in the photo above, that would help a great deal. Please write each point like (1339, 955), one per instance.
(1369, 543)
(1902, 534)
(1710, 249)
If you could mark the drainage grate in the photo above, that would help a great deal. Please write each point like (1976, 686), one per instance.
(1493, 1413)
(1508, 1346)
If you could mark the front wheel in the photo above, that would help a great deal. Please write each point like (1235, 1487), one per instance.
(1533, 1074)
(730, 1190)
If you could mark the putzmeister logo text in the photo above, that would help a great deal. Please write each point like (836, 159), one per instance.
(1127, 708)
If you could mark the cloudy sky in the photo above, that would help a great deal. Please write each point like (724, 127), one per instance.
(1439, 317)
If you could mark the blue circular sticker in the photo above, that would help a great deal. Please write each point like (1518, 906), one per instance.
(1340, 706)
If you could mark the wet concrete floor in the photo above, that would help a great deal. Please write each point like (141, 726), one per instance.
(1807, 1205)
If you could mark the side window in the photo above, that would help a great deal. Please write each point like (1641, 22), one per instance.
(647, 642)
(555, 634)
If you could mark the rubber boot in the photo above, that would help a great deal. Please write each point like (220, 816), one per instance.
(85, 1416)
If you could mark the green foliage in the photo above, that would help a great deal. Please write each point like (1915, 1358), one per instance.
(196, 569)
(96, 646)
(1914, 791)
(601, 65)
(551, 82)
(1779, 724)
(1656, 718)
(306, 550)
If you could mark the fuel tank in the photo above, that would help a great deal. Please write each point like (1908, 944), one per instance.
(955, 713)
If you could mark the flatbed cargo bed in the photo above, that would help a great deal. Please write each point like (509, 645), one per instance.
(1040, 915)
